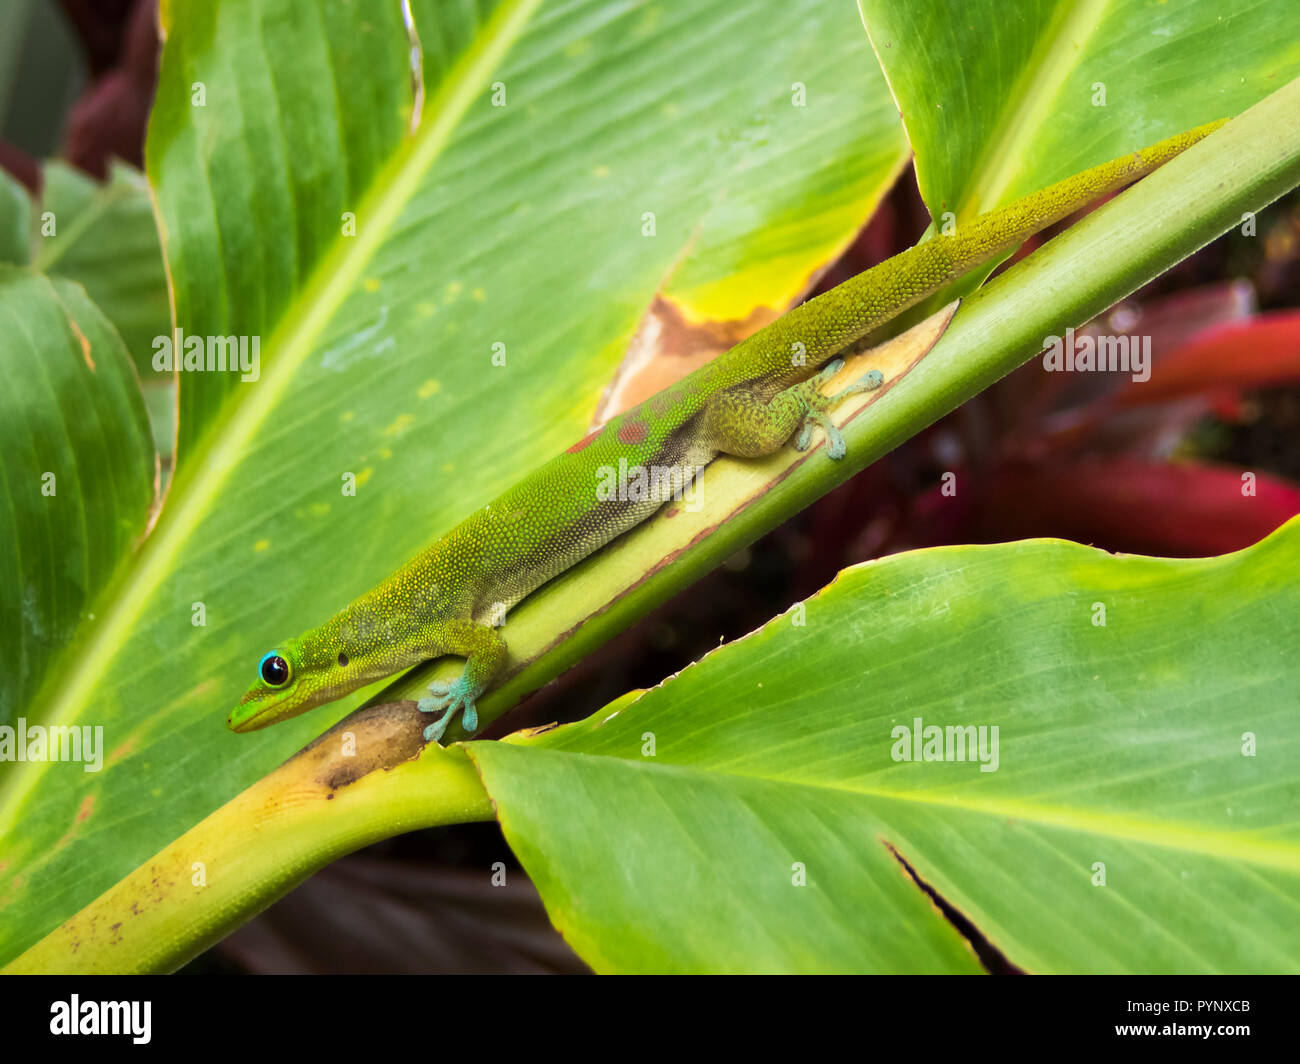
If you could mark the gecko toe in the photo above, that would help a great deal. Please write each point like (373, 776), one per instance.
(836, 448)
(448, 699)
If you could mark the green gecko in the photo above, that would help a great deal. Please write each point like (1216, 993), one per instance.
(747, 402)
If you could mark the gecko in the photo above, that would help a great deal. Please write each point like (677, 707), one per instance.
(751, 400)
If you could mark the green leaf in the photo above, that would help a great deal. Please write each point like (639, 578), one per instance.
(1065, 84)
(15, 219)
(520, 225)
(78, 478)
(105, 239)
(271, 121)
(1145, 719)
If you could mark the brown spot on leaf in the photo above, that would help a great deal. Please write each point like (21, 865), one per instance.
(667, 347)
(384, 736)
(85, 344)
(123, 750)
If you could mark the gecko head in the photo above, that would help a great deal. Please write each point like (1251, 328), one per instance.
(285, 687)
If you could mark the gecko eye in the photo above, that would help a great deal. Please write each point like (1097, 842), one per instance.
(273, 669)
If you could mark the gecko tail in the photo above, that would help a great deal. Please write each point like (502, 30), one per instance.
(982, 238)
(828, 323)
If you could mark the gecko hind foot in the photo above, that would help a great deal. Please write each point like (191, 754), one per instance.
(818, 403)
(449, 697)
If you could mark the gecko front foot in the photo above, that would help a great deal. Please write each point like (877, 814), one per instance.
(818, 403)
(448, 698)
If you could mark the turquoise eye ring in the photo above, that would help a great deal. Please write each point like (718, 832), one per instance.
(273, 669)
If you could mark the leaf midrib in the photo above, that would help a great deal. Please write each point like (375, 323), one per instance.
(1023, 117)
(1219, 845)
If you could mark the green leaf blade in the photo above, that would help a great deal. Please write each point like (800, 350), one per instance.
(15, 220)
(1118, 747)
(106, 241)
(242, 148)
(79, 472)
(1065, 85)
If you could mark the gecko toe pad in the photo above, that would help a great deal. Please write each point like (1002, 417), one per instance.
(819, 403)
(448, 697)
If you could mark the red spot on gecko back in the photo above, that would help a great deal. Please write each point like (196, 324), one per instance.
(633, 432)
(585, 442)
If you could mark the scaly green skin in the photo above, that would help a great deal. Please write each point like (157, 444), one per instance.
(747, 402)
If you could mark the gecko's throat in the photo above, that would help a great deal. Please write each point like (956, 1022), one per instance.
(258, 710)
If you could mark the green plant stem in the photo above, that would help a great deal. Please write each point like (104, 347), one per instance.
(366, 779)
